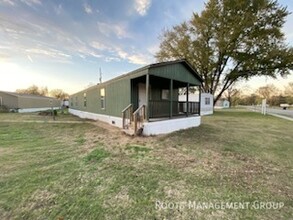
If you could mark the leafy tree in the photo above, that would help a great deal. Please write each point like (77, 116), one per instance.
(231, 40)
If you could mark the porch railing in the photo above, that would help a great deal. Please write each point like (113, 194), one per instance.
(127, 116)
(161, 108)
(139, 117)
(193, 108)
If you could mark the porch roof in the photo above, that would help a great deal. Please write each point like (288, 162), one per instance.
(179, 70)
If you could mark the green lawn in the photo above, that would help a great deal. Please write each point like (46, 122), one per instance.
(93, 171)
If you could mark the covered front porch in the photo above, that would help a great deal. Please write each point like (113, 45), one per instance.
(155, 107)
(160, 97)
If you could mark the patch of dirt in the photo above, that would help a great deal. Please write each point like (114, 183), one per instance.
(121, 199)
(111, 137)
(175, 158)
(175, 191)
(7, 150)
(40, 199)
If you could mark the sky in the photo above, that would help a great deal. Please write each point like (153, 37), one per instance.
(64, 44)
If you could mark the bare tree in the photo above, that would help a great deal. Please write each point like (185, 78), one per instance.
(59, 94)
(267, 91)
(34, 90)
(289, 89)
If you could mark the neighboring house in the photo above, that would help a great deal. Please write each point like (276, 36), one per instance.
(222, 103)
(145, 99)
(206, 102)
(27, 103)
(65, 103)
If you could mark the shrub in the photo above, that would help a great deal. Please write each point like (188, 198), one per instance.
(3, 109)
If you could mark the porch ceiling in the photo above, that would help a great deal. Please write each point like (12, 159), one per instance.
(161, 82)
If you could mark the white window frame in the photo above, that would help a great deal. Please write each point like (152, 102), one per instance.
(207, 101)
(103, 98)
(165, 94)
(84, 100)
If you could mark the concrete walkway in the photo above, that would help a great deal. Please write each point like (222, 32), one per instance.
(284, 114)
(281, 116)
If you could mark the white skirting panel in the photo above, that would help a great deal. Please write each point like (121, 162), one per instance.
(116, 121)
(27, 110)
(168, 126)
(206, 112)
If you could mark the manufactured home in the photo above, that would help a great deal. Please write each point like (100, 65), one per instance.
(145, 100)
(222, 103)
(26, 102)
(206, 102)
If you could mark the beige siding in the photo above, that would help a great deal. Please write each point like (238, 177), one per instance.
(9, 100)
(37, 102)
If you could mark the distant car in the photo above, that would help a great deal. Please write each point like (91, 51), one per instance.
(284, 106)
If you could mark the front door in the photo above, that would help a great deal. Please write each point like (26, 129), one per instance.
(141, 94)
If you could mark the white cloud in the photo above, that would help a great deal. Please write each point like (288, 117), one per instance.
(121, 53)
(95, 55)
(137, 59)
(111, 59)
(142, 6)
(132, 57)
(30, 59)
(8, 2)
(99, 46)
(87, 8)
(56, 55)
(153, 49)
(113, 29)
(58, 9)
(31, 2)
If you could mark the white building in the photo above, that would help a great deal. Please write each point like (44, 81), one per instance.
(206, 102)
(222, 103)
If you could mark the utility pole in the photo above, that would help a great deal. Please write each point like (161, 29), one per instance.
(100, 79)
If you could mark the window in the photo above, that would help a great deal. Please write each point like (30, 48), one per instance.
(71, 102)
(0, 101)
(207, 101)
(76, 101)
(165, 94)
(84, 99)
(102, 95)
